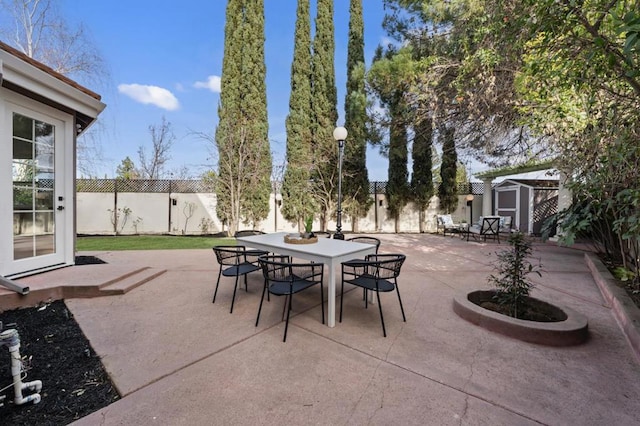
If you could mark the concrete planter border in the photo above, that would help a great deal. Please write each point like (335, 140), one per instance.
(572, 331)
(625, 312)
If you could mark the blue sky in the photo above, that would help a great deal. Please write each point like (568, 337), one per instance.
(165, 59)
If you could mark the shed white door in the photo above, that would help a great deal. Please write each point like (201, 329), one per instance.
(38, 219)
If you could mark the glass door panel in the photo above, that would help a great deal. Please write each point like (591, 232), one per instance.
(33, 172)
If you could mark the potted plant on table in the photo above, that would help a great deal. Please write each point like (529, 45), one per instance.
(308, 226)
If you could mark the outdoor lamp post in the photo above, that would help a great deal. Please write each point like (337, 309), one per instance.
(339, 134)
(469, 199)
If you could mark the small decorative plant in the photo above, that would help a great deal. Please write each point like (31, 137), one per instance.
(308, 226)
(511, 280)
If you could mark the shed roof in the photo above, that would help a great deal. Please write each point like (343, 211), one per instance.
(534, 183)
(514, 170)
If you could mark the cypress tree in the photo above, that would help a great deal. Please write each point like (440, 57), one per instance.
(398, 185)
(389, 65)
(244, 157)
(228, 112)
(422, 176)
(325, 113)
(356, 184)
(297, 201)
(447, 191)
(255, 200)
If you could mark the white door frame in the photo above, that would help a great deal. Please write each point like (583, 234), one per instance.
(63, 185)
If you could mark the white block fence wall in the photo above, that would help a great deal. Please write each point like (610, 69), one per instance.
(189, 208)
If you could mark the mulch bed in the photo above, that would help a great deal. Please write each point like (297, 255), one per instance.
(55, 351)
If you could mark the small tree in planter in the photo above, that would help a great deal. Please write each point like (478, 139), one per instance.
(511, 280)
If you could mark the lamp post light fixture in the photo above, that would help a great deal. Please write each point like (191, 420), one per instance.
(339, 134)
(469, 199)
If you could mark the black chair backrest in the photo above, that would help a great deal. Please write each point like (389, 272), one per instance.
(366, 240)
(280, 268)
(275, 267)
(230, 255)
(385, 266)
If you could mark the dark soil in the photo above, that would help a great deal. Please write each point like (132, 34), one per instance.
(529, 313)
(55, 351)
(530, 310)
(88, 260)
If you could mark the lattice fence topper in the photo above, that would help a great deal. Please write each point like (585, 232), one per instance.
(198, 185)
(476, 188)
(143, 185)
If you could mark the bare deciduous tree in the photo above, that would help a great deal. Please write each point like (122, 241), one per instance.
(162, 138)
(41, 33)
(36, 28)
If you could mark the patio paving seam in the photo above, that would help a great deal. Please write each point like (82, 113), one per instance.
(575, 296)
(196, 361)
(436, 381)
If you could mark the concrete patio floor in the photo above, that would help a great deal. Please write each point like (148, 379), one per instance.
(178, 359)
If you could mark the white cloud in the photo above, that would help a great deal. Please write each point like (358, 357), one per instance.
(212, 83)
(153, 95)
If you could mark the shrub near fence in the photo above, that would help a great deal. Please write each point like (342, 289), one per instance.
(141, 206)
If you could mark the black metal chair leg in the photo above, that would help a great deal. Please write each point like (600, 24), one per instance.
(261, 300)
(341, 297)
(217, 284)
(286, 325)
(234, 295)
(284, 307)
(400, 300)
(384, 330)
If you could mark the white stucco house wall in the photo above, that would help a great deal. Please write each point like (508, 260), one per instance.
(41, 115)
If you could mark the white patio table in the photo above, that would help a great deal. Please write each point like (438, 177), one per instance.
(327, 250)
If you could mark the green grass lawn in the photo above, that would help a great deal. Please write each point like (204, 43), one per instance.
(148, 242)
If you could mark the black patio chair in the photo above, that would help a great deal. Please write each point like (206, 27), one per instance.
(378, 272)
(366, 240)
(251, 253)
(233, 262)
(284, 278)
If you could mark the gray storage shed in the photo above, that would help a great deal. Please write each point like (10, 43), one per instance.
(529, 202)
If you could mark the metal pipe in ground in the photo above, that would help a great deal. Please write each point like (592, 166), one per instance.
(11, 339)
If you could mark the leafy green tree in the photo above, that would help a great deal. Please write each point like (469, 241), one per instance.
(127, 170)
(325, 113)
(447, 191)
(244, 158)
(463, 75)
(298, 202)
(356, 182)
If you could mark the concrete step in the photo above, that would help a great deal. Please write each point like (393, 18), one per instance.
(128, 283)
(92, 285)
